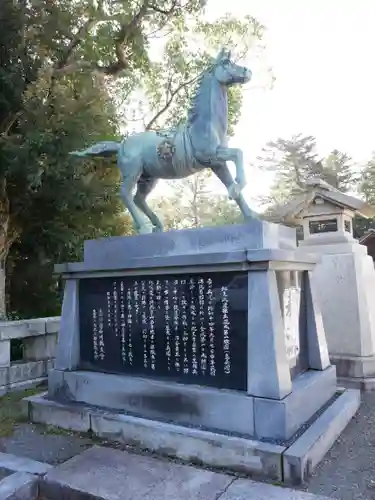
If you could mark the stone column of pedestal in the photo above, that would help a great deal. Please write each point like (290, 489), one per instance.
(345, 284)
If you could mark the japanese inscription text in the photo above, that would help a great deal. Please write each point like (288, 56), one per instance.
(191, 329)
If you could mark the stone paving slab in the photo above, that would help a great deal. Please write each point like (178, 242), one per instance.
(108, 474)
(244, 489)
(117, 475)
(19, 486)
(22, 464)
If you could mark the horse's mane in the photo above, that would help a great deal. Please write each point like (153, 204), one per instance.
(197, 92)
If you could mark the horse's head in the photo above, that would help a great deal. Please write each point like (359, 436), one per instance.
(227, 72)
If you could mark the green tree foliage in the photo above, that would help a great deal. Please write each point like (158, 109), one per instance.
(168, 90)
(361, 225)
(191, 202)
(295, 160)
(367, 181)
(338, 171)
(50, 204)
(366, 188)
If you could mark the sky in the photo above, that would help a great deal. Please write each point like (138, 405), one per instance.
(322, 56)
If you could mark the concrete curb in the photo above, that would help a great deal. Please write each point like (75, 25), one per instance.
(300, 459)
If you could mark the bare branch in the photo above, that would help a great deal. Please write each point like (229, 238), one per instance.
(125, 98)
(162, 11)
(169, 89)
(75, 42)
(123, 36)
(169, 102)
(8, 123)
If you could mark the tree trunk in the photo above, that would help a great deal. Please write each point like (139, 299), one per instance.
(2, 292)
(6, 240)
(194, 203)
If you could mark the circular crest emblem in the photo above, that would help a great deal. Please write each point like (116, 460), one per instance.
(166, 150)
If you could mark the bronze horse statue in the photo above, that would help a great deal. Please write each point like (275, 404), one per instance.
(201, 142)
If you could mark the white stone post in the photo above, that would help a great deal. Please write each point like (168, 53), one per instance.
(344, 281)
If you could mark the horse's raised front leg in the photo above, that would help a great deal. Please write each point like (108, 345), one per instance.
(236, 156)
(223, 173)
(144, 187)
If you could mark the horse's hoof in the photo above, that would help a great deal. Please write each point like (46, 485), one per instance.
(252, 216)
(156, 229)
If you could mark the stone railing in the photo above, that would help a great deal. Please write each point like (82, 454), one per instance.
(39, 339)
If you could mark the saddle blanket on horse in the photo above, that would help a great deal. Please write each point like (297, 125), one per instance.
(175, 151)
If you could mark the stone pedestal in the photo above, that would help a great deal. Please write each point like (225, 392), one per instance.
(216, 329)
(345, 283)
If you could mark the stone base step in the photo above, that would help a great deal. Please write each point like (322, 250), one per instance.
(290, 463)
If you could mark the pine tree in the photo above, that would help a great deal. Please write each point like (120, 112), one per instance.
(296, 160)
(338, 171)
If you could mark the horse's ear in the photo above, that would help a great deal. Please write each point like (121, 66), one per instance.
(224, 54)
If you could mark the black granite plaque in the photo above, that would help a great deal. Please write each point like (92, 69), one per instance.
(187, 328)
(292, 301)
(323, 226)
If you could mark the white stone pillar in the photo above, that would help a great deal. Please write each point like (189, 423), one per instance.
(345, 284)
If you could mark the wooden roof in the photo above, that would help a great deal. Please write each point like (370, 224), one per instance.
(289, 212)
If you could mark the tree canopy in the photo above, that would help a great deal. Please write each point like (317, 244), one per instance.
(296, 159)
(73, 73)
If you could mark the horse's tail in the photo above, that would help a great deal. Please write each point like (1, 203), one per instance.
(100, 149)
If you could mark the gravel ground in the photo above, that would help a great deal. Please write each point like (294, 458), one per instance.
(348, 470)
(33, 442)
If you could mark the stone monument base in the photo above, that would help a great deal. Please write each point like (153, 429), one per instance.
(210, 408)
(290, 461)
(212, 338)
